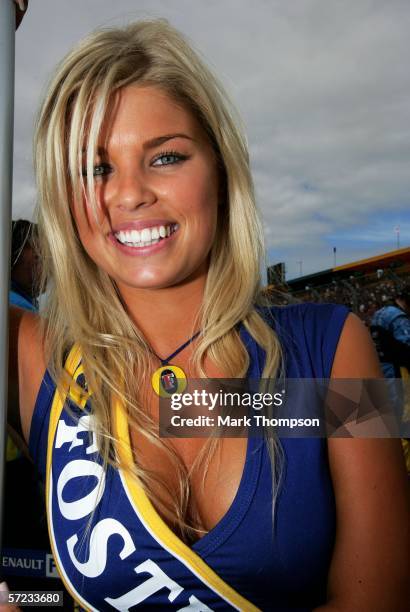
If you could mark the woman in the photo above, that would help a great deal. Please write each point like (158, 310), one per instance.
(152, 248)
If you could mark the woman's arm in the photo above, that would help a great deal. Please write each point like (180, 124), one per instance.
(26, 369)
(370, 568)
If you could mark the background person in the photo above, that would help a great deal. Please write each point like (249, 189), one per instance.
(26, 545)
(390, 328)
(24, 289)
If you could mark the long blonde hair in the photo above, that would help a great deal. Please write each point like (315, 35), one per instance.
(84, 306)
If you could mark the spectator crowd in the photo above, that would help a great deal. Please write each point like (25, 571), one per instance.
(363, 293)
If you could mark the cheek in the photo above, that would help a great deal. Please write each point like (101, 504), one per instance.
(206, 213)
(200, 194)
(202, 230)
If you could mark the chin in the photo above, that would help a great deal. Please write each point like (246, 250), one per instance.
(147, 282)
(160, 278)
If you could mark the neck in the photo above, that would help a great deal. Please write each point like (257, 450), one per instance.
(167, 317)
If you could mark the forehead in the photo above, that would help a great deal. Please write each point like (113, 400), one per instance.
(140, 113)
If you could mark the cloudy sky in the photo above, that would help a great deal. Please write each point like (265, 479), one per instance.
(323, 87)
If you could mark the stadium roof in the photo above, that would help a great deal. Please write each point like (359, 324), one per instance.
(378, 261)
(384, 260)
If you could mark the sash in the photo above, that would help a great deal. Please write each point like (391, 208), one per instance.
(111, 547)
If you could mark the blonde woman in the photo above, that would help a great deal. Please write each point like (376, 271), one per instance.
(151, 246)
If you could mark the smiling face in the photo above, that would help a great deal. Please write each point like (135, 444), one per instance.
(156, 186)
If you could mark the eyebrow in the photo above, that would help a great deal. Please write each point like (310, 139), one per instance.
(150, 144)
(159, 140)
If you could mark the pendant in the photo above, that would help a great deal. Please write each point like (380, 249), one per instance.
(168, 379)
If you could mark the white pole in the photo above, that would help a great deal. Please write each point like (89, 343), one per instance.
(7, 27)
(397, 230)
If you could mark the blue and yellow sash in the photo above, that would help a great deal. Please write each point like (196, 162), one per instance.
(111, 547)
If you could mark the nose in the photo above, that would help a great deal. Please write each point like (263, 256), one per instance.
(129, 191)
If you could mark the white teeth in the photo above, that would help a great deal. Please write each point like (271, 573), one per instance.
(145, 237)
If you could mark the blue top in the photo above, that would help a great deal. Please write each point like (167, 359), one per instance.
(272, 568)
(17, 297)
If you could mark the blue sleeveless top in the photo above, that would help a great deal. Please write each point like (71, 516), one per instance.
(114, 551)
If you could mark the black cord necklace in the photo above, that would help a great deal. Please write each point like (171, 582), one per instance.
(169, 379)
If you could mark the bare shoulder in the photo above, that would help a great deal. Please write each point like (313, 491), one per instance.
(31, 366)
(356, 355)
(372, 500)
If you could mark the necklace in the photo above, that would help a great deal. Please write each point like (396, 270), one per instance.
(169, 379)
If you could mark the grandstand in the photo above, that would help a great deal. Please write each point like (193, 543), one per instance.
(364, 285)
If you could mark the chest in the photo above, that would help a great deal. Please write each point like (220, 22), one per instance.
(212, 475)
(199, 474)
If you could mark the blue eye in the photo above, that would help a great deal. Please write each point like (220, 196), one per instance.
(99, 170)
(168, 158)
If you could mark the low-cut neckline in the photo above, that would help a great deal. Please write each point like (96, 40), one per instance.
(226, 524)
